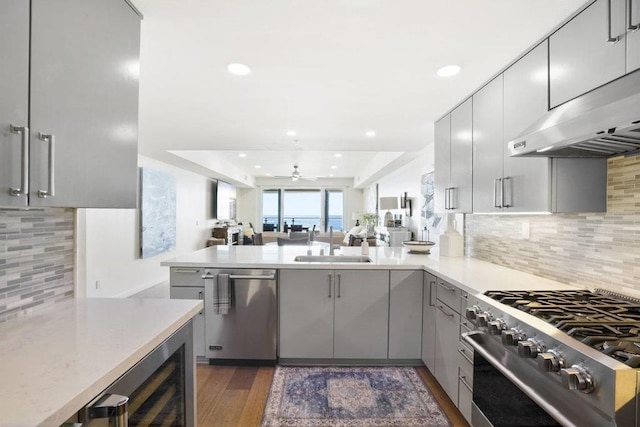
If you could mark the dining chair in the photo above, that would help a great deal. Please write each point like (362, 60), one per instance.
(257, 239)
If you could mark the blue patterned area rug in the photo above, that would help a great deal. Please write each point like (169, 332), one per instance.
(350, 396)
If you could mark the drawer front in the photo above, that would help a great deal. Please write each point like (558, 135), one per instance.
(465, 364)
(186, 276)
(448, 294)
(465, 397)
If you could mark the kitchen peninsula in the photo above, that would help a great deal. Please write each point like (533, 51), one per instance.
(57, 360)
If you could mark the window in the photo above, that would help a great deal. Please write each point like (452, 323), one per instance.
(302, 207)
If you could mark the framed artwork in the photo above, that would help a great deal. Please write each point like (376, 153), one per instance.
(428, 217)
(157, 212)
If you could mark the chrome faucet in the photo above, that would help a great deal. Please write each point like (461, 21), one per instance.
(331, 251)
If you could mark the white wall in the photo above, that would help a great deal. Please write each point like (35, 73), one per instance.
(108, 239)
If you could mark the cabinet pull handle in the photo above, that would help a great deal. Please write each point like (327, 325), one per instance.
(507, 180)
(186, 270)
(441, 308)
(447, 287)
(463, 380)
(610, 39)
(631, 26)
(432, 284)
(446, 198)
(329, 276)
(452, 206)
(24, 178)
(339, 284)
(496, 183)
(463, 352)
(51, 139)
(200, 297)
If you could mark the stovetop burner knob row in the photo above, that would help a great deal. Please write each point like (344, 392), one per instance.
(550, 361)
(530, 348)
(513, 336)
(577, 378)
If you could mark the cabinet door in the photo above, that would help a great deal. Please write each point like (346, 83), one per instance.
(633, 37)
(461, 157)
(405, 315)
(488, 147)
(429, 322)
(361, 314)
(581, 57)
(306, 313)
(14, 87)
(442, 159)
(526, 99)
(446, 362)
(192, 292)
(84, 92)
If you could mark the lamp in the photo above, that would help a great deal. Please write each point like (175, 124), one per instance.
(388, 203)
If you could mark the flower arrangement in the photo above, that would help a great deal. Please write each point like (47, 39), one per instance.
(370, 220)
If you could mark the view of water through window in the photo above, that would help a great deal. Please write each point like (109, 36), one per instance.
(303, 208)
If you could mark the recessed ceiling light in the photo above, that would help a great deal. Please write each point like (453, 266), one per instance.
(448, 70)
(268, 174)
(243, 155)
(257, 166)
(371, 133)
(291, 133)
(239, 69)
(338, 155)
(331, 175)
(334, 167)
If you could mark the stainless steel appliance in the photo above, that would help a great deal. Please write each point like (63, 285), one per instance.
(602, 123)
(548, 358)
(247, 333)
(158, 390)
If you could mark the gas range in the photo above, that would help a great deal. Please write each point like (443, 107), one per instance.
(573, 352)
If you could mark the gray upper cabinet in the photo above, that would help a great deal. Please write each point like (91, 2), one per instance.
(633, 35)
(453, 160)
(526, 99)
(14, 101)
(583, 54)
(83, 113)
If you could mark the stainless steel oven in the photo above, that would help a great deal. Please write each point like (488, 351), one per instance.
(158, 390)
(549, 358)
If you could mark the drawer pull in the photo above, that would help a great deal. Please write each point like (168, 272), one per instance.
(463, 353)
(463, 379)
(445, 312)
(186, 270)
(452, 290)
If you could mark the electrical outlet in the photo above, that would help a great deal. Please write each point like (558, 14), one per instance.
(98, 284)
(526, 232)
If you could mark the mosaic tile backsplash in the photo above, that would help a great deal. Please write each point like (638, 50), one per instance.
(594, 250)
(36, 259)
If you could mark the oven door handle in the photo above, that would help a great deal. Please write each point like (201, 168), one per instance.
(472, 338)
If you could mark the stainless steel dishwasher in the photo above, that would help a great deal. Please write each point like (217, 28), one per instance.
(247, 333)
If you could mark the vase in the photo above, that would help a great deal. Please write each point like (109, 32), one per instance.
(371, 228)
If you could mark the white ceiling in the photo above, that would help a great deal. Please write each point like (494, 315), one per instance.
(328, 69)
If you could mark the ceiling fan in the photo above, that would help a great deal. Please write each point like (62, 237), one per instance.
(295, 175)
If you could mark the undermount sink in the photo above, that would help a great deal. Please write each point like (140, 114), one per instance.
(331, 258)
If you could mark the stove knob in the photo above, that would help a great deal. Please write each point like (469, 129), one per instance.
(497, 326)
(483, 318)
(512, 336)
(472, 312)
(577, 378)
(550, 361)
(529, 348)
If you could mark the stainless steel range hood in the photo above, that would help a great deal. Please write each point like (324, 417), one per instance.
(602, 123)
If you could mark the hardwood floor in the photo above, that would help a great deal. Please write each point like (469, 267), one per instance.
(235, 396)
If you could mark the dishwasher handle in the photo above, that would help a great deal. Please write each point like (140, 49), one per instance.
(271, 276)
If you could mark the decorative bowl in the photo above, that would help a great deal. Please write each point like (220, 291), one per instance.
(419, 246)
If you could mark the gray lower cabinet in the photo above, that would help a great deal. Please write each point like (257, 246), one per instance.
(446, 366)
(341, 314)
(69, 138)
(429, 321)
(405, 314)
(582, 53)
(187, 283)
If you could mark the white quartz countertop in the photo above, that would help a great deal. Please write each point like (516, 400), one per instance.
(55, 361)
(470, 274)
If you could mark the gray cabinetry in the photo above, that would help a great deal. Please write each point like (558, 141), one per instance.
(405, 315)
(83, 104)
(633, 35)
(340, 314)
(583, 54)
(187, 283)
(447, 332)
(453, 160)
(429, 322)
